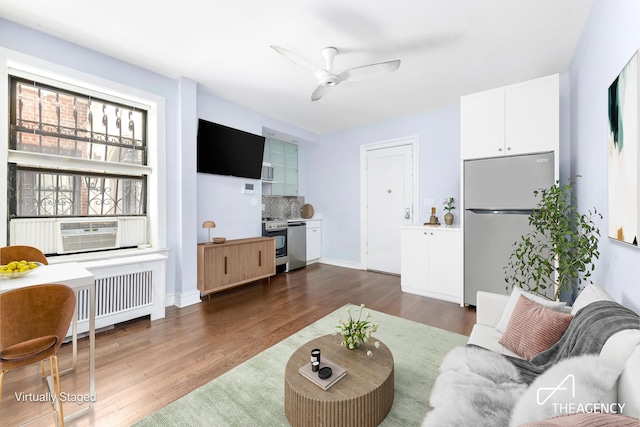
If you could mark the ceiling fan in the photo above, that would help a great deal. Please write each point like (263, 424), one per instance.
(327, 78)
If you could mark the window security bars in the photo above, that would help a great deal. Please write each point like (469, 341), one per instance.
(50, 121)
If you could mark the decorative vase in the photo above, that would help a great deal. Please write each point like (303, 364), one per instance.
(448, 218)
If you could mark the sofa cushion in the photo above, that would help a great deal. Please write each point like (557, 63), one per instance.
(487, 337)
(513, 299)
(629, 386)
(589, 294)
(533, 328)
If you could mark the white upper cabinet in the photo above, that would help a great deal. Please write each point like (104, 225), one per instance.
(517, 119)
(482, 125)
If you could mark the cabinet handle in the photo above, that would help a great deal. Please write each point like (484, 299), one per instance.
(259, 258)
(508, 148)
(225, 265)
(499, 149)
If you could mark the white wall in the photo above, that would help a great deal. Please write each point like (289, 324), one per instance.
(610, 38)
(334, 174)
(219, 198)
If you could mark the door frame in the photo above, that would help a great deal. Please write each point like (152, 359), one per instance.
(364, 149)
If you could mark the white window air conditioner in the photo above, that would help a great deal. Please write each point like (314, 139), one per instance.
(85, 234)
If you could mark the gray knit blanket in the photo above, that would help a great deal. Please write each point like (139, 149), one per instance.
(588, 331)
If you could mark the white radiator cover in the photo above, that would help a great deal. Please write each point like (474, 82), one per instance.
(126, 288)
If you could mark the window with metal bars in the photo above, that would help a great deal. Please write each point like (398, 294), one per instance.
(74, 154)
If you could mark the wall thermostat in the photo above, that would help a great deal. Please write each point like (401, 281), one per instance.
(248, 188)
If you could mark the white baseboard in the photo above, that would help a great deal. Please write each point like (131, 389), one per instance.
(182, 300)
(341, 263)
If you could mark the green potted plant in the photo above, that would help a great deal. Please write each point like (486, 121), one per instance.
(559, 253)
(449, 206)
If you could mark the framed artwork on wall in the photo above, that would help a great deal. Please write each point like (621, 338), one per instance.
(623, 214)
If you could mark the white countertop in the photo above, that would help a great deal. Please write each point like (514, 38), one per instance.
(435, 227)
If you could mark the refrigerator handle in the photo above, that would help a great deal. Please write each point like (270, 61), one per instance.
(501, 211)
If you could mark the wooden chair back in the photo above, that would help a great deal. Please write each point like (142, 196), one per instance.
(19, 253)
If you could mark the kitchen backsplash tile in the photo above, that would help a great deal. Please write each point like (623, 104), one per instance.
(282, 206)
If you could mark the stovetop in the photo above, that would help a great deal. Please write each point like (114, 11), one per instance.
(274, 224)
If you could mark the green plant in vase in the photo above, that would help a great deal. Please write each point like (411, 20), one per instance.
(357, 331)
(559, 252)
(449, 206)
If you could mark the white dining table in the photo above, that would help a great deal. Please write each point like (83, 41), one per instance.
(78, 278)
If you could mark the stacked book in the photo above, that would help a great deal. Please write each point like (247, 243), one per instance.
(337, 372)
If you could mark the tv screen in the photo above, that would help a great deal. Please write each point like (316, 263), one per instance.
(226, 151)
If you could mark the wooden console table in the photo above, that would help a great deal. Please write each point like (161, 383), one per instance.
(235, 262)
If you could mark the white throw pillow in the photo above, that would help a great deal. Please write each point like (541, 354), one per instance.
(576, 384)
(591, 293)
(513, 299)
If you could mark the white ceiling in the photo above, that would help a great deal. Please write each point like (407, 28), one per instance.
(448, 48)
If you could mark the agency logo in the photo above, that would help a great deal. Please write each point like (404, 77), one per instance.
(548, 392)
(565, 401)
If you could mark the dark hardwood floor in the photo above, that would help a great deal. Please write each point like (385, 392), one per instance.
(142, 366)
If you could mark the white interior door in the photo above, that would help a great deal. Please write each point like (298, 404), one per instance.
(389, 199)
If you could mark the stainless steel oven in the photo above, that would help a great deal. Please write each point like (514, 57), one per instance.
(277, 229)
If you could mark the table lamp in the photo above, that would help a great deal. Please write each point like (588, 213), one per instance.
(209, 225)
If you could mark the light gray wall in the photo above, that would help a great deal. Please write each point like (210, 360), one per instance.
(610, 38)
(219, 198)
(334, 174)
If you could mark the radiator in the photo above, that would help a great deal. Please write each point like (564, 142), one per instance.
(125, 289)
(117, 294)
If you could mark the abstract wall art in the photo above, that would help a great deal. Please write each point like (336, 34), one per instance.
(623, 155)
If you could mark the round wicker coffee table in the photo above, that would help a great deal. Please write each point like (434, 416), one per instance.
(361, 398)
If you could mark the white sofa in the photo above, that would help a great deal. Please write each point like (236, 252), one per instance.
(623, 346)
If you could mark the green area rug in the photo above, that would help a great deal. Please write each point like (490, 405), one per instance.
(252, 394)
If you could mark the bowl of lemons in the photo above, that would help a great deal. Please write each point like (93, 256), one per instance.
(18, 268)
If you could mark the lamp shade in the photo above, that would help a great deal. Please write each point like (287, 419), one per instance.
(208, 224)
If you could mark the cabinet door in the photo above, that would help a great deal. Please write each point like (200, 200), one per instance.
(258, 259)
(414, 269)
(445, 263)
(314, 243)
(290, 169)
(482, 120)
(218, 268)
(277, 156)
(533, 117)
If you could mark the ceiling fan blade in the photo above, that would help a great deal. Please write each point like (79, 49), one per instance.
(299, 60)
(320, 91)
(369, 71)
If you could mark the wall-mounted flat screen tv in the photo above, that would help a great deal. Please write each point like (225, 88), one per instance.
(226, 151)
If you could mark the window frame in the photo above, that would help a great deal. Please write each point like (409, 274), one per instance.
(25, 66)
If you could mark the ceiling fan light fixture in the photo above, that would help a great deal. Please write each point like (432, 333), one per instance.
(327, 78)
(330, 80)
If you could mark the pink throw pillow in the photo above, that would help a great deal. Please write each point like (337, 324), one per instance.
(533, 328)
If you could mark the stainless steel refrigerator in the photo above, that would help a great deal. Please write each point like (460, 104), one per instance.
(498, 199)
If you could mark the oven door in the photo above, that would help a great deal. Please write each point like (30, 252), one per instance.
(281, 244)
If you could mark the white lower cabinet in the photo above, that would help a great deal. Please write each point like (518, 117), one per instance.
(431, 262)
(314, 240)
